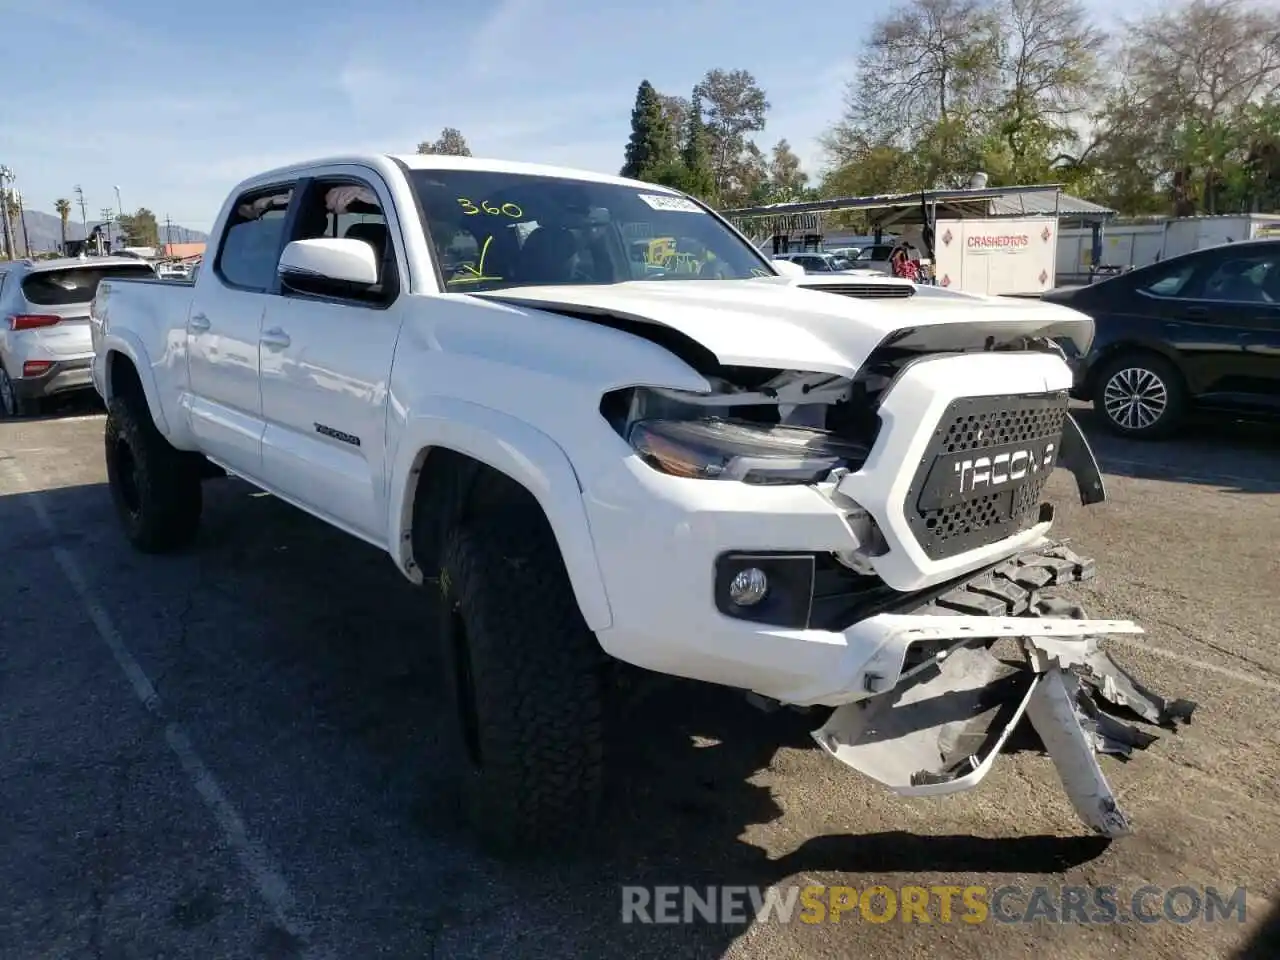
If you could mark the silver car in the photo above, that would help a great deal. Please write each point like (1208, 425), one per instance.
(45, 347)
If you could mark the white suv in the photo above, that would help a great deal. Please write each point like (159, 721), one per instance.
(45, 346)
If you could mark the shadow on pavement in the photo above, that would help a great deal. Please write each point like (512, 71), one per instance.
(1265, 943)
(1236, 456)
(319, 648)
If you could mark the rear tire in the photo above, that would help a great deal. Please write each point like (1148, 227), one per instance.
(155, 487)
(1141, 396)
(11, 406)
(524, 672)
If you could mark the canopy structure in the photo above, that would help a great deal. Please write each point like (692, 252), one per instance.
(921, 209)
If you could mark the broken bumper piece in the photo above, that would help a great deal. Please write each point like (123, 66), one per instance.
(941, 727)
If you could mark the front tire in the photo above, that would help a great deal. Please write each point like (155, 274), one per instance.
(1141, 396)
(524, 673)
(155, 487)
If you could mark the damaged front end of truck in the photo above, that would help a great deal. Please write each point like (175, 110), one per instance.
(946, 673)
(932, 432)
(979, 659)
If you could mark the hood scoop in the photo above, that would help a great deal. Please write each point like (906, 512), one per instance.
(864, 291)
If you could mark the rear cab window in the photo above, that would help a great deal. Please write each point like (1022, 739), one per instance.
(252, 239)
(74, 285)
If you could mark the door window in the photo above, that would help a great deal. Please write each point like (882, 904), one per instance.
(1245, 279)
(251, 244)
(349, 209)
(1170, 282)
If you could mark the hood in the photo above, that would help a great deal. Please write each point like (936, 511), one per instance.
(771, 322)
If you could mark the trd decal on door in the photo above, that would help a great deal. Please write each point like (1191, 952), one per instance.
(337, 434)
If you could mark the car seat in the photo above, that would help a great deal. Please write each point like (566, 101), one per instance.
(547, 256)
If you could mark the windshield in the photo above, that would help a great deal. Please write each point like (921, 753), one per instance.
(880, 251)
(61, 288)
(492, 230)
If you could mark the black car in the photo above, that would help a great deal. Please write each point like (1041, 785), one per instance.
(1197, 331)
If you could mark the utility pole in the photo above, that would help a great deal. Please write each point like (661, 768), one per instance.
(6, 177)
(22, 218)
(168, 235)
(106, 222)
(84, 216)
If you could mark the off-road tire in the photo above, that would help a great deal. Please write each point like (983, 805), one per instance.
(155, 487)
(1145, 364)
(524, 674)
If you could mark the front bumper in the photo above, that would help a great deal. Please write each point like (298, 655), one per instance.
(64, 376)
(659, 541)
(940, 726)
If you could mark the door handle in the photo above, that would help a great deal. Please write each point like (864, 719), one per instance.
(275, 338)
(199, 322)
(1198, 313)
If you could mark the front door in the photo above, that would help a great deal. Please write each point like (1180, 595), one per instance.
(326, 362)
(223, 329)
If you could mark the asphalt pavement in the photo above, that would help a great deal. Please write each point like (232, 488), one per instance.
(235, 752)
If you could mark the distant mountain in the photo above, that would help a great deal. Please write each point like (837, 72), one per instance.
(44, 231)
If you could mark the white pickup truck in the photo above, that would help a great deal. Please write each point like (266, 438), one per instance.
(827, 498)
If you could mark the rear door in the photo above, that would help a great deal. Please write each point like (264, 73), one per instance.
(224, 327)
(52, 311)
(1241, 294)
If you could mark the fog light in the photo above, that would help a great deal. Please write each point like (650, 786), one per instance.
(748, 587)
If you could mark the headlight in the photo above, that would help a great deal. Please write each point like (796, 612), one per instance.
(715, 449)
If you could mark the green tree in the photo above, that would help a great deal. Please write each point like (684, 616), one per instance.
(13, 208)
(676, 110)
(450, 142)
(695, 155)
(732, 106)
(651, 148)
(786, 180)
(63, 207)
(927, 75)
(1048, 57)
(139, 229)
(1195, 74)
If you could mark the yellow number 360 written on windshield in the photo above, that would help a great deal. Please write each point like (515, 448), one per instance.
(494, 210)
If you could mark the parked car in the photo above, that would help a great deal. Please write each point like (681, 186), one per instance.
(1200, 331)
(879, 256)
(814, 262)
(708, 473)
(45, 344)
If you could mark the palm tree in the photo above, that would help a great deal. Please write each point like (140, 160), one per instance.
(64, 213)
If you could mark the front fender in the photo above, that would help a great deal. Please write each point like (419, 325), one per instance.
(130, 345)
(521, 452)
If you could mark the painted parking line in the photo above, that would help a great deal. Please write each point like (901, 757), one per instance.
(266, 876)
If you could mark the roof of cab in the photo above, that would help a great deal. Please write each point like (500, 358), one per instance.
(436, 161)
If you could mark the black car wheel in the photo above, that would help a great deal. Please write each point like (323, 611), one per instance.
(10, 405)
(1140, 395)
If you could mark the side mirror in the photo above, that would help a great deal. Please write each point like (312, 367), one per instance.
(788, 268)
(325, 261)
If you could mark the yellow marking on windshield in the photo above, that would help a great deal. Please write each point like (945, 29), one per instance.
(474, 273)
(511, 210)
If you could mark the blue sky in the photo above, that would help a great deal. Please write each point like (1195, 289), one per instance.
(174, 102)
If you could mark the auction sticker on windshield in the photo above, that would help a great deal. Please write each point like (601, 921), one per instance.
(676, 204)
